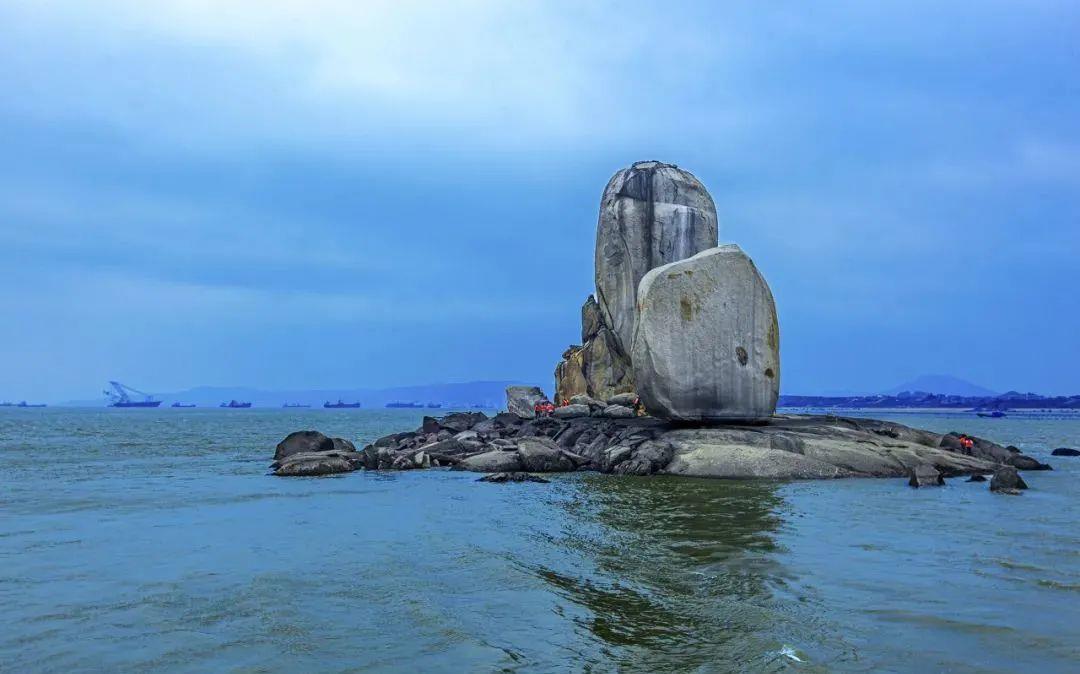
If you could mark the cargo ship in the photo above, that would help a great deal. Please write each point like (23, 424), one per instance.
(400, 405)
(294, 405)
(26, 404)
(179, 404)
(235, 405)
(121, 396)
(339, 405)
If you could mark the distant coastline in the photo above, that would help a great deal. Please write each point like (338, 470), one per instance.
(1013, 400)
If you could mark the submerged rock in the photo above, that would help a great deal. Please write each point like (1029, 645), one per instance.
(925, 476)
(1022, 462)
(1065, 451)
(318, 463)
(1007, 480)
(707, 346)
(512, 477)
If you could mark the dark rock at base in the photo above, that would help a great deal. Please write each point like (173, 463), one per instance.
(343, 445)
(395, 439)
(516, 476)
(1021, 462)
(1065, 451)
(648, 458)
(925, 476)
(1013, 448)
(301, 442)
(1007, 480)
(311, 464)
(977, 478)
(541, 455)
(787, 447)
(571, 411)
(462, 421)
(496, 461)
(624, 399)
(617, 412)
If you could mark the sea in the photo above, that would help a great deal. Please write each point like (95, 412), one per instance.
(154, 540)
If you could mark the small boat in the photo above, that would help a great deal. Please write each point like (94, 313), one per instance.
(339, 405)
(179, 404)
(26, 404)
(294, 405)
(235, 405)
(991, 415)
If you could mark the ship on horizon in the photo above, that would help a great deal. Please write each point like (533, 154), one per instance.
(295, 405)
(180, 404)
(120, 396)
(22, 403)
(340, 405)
(235, 405)
(402, 405)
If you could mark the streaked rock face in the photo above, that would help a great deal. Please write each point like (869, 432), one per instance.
(650, 214)
(597, 368)
(707, 345)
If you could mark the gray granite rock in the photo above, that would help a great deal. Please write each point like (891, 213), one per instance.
(521, 400)
(650, 214)
(926, 476)
(300, 442)
(571, 411)
(707, 346)
(496, 461)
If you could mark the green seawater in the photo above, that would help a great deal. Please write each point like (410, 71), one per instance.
(155, 541)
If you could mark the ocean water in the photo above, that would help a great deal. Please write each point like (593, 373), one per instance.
(155, 541)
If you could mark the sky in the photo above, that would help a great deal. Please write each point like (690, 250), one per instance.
(366, 194)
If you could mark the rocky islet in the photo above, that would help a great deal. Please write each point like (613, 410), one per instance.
(689, 329)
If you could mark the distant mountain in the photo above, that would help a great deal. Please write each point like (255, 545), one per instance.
(942, 384)
(491, 394)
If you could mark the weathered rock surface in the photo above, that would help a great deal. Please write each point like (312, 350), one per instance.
(1007, 480)
(707, 346)
(318, 463)
(1065, 451)
(521, 400)
(624, 399)
(301, 442)
(571, 411)
(598, 368)
(617, 412)
(926, 476)
(787, 447)
(650, 214)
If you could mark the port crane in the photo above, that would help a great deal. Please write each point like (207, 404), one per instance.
(122, 396)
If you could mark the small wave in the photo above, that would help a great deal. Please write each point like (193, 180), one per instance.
(1057, 585)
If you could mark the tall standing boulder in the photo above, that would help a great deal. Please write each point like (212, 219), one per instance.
(651, 214)
(707, 346)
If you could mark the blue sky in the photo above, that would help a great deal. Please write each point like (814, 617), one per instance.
(336, 194)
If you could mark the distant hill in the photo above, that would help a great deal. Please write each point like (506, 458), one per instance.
(490, 394)
(942, 384)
